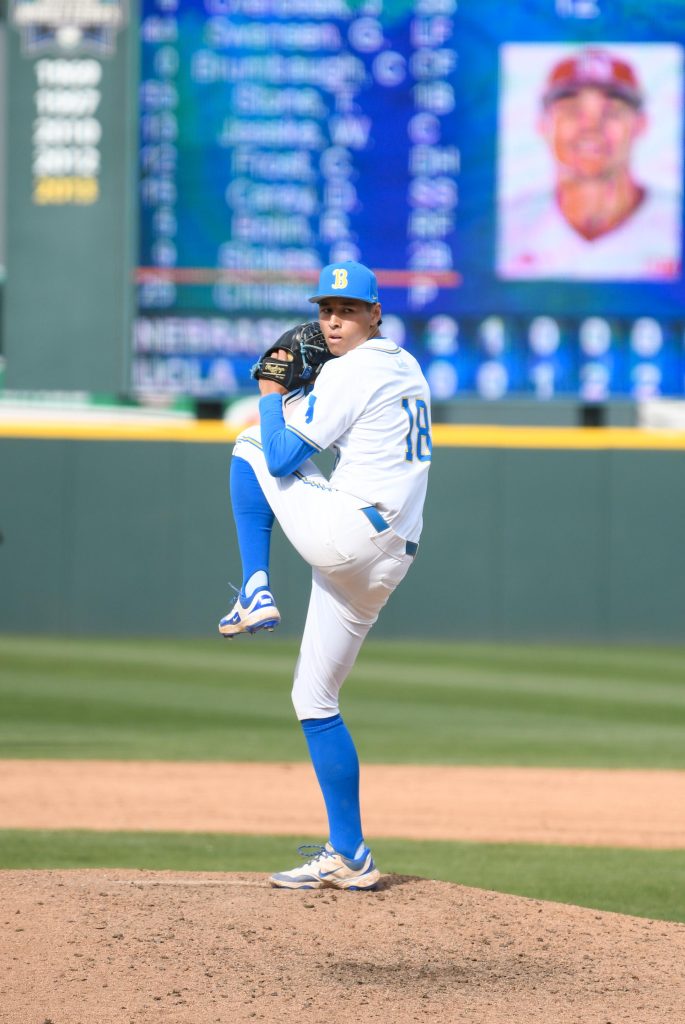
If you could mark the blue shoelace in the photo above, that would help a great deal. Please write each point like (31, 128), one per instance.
(312, 851)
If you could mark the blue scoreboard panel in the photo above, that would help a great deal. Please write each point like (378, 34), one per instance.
(512, 172)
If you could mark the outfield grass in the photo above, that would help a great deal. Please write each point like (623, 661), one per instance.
(642, 882)
(405, 702)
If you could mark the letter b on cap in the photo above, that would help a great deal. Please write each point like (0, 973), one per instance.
(339, 277)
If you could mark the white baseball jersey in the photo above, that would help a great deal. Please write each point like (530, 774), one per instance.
(372, 406)
(536, 241)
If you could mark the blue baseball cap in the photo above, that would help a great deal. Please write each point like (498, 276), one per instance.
(353, 280)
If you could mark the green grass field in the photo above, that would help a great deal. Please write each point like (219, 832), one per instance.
(406, 703)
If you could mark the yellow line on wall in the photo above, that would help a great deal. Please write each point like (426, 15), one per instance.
(453, 435)
(195, 431)
(445, 435)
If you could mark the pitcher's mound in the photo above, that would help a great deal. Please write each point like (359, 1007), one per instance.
(80, 947)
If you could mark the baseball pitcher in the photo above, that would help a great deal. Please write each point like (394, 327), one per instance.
(342, 385)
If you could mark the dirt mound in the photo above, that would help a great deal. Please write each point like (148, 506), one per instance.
(113, 947)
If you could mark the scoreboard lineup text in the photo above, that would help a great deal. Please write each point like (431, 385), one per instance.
(277, 136)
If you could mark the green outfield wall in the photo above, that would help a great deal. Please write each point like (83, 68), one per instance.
(531, 534)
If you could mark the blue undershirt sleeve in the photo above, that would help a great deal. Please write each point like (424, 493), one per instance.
(284, 450)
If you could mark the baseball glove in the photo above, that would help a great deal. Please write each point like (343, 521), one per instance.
(308, 350)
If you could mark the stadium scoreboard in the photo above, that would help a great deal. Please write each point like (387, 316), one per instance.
(277, 136)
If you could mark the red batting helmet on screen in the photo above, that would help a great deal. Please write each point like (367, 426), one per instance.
(593, 67)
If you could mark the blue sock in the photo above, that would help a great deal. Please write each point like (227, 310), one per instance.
(253, 522)
(336, 765)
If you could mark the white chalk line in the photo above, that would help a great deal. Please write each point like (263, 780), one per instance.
(134, 882)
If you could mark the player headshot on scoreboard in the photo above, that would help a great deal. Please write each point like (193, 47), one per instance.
(593, 190)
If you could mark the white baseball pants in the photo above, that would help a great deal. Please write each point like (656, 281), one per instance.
(354, 571)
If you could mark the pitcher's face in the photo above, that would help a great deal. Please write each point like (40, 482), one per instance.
(347, 323)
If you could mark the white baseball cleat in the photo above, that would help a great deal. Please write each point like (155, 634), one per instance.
(259, 613)
(328, 869)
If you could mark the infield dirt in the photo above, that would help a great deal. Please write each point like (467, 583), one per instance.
(609, 807)
(124, 947)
